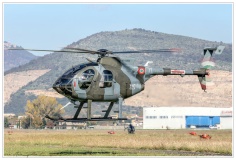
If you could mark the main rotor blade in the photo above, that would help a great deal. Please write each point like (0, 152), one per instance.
(150, 51)
(140, 51)
(41, 50)
(84, 50)
(80, 50)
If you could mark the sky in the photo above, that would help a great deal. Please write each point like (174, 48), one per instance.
(53, 26)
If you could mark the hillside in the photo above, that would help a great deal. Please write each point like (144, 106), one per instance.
(15, 58)
(134, 39)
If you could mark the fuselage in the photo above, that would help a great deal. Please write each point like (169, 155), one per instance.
(107, 80)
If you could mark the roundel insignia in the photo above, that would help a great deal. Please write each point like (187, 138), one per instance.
(141, 70)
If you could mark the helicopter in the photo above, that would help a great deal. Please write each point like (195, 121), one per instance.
(113, 79)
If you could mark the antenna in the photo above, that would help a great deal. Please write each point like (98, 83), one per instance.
(148, 63)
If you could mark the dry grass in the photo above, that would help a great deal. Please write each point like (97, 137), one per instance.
(51, 142)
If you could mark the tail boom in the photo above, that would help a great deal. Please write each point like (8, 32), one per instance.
(169, 71)
(201, 73)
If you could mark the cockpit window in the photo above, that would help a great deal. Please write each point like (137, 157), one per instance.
(106, 80)
(107, 75)
(65, 81)
(72, 71)
(87, 75)
(86, 78)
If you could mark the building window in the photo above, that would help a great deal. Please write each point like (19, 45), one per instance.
(163, 117)
(151, 117)
(176, 116)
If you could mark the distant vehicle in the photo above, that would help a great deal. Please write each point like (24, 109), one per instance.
(217, 126)
(113, 79)
(193, 127)
(90, 127)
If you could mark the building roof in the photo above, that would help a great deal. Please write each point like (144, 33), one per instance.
(191, 111)
(9, 114)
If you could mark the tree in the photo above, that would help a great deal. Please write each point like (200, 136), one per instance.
(25, 122)
(39, 108)
(6, 122)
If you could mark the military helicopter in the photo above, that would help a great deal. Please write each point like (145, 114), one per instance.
(112, 79)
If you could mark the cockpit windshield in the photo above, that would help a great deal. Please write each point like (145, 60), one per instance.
(87, 75)
(71, 72)
(63, 84)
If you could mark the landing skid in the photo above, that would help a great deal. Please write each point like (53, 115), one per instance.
(84, 119)
(89, 118)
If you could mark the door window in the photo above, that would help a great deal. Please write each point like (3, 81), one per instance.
(106, 80)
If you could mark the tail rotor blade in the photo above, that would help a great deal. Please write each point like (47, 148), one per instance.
(209, 64)
(206, 81)
(209, 82)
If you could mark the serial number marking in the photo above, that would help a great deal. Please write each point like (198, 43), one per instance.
(177, 71)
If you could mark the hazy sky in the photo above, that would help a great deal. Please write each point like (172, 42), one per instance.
(53, 26)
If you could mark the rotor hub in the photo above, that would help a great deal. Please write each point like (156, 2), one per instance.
(103, 52)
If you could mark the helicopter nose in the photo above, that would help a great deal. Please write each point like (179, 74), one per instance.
(56, 87)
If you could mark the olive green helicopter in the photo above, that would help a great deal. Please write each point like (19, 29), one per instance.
(113, 79)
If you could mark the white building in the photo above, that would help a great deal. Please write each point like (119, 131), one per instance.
(186, 117)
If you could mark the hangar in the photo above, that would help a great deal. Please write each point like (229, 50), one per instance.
(186, 117)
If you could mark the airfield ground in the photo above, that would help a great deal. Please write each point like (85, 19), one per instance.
(93, 142)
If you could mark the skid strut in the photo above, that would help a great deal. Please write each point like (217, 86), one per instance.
(89, 118)
(108, 110)
(120, 107)
(89, 109)
(78, 110)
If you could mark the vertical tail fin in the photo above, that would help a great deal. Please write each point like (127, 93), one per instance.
(207, 64)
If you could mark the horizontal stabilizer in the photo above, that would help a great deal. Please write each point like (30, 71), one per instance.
(219, 49)
(207, 61)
